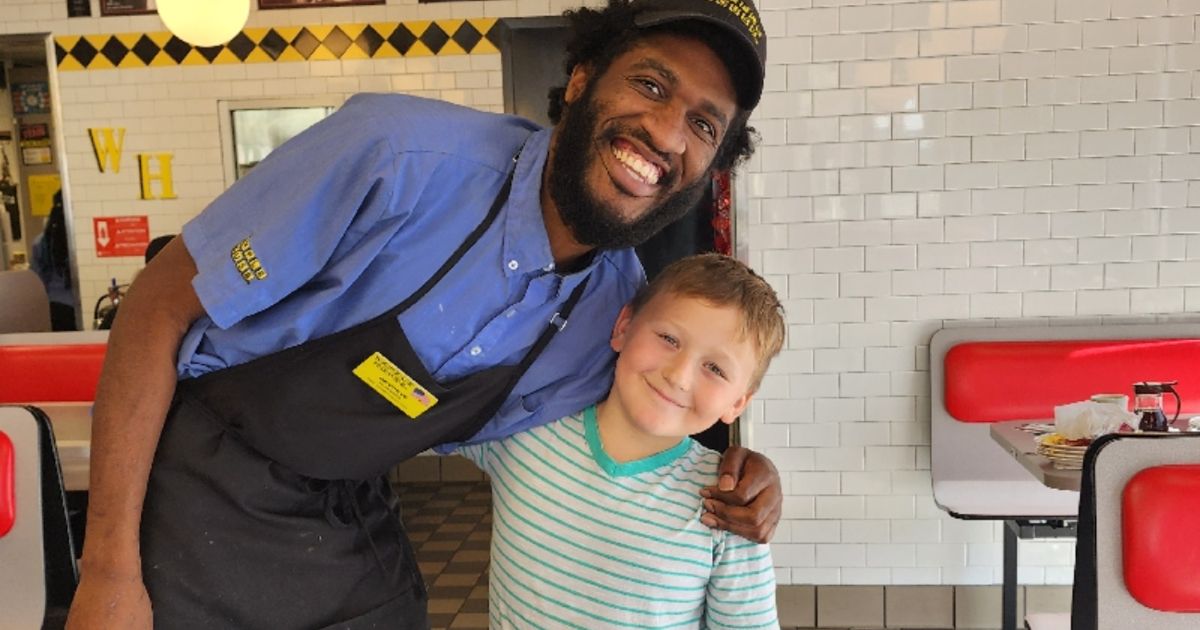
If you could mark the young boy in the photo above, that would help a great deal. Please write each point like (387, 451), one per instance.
(597, 515)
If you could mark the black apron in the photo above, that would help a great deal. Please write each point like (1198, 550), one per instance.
(267, 505)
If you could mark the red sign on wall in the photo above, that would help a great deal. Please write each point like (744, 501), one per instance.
(121, 236)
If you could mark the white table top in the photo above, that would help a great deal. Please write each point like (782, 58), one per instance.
(1021, 445)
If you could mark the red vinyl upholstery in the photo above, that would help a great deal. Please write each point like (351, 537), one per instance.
(50, 373)
(8, 498)
(1160, 520)
(995, 381)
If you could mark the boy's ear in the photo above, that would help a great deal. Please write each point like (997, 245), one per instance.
(576, 84)
(621, 328)
(738, 407)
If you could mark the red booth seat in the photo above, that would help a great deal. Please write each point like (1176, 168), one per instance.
(996, 381)
(8, 474)
(1159, 523)
(982, 375)
(50, 372)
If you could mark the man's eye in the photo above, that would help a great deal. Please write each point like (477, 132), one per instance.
(706, 128)
(650, 86)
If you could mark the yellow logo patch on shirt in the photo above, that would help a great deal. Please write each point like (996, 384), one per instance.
(389, 381)
(247, 262)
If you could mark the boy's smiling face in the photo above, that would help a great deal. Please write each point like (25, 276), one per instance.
(684, 364)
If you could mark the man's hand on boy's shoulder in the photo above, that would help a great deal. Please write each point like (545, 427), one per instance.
(748, 498)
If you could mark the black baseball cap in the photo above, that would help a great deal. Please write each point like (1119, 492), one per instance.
(739, 18)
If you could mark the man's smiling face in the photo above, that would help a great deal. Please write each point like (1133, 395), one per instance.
(636, 144)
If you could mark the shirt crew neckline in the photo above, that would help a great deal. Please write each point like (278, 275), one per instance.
(591, 432)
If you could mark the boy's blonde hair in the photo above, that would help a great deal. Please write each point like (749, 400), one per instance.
(723, 281)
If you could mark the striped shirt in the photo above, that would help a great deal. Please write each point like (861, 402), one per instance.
(582, 541)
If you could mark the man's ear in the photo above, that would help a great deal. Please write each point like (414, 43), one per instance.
(621, 328)
(577, 83)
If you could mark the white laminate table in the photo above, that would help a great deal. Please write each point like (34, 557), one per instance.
(1021, 445)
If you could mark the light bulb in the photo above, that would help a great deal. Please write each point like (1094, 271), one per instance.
(204, 22)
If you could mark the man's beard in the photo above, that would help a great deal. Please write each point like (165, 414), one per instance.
(591, 221)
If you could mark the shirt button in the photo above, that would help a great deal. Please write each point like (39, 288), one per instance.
(475, 351)
(510, 313)
(548, 268)
(512, 264)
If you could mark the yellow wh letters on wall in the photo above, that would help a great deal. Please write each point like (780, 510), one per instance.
(107, 148)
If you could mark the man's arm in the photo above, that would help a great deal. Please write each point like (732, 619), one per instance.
(748, 499)
(135, 391)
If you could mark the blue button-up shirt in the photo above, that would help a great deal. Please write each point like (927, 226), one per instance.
(351, 217)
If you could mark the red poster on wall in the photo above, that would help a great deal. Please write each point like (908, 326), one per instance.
(121, 236)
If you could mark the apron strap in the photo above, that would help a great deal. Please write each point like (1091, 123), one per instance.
(468, 242)
(557, 322)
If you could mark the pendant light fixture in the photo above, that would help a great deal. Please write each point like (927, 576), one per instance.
(204, 22)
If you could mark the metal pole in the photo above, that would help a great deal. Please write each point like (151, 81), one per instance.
(1008, 602)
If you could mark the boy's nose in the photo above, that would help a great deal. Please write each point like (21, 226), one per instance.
(678, 373)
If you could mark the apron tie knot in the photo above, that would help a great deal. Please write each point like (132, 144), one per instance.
(351, 502)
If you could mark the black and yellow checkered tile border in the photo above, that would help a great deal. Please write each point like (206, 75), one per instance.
(377, 40)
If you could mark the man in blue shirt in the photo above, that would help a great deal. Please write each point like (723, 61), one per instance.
(398, 277)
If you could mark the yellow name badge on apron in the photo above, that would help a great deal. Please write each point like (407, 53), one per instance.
(389, 381)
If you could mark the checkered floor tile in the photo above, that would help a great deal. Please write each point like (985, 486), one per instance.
(450, 525)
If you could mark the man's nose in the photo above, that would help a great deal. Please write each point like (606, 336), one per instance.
(667, 127)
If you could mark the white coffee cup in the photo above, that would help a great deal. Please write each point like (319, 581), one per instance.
(1121, 400)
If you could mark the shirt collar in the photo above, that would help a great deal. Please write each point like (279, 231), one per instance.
(526, 243)
(591, 433)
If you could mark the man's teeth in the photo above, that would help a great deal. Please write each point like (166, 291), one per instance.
(645, 171)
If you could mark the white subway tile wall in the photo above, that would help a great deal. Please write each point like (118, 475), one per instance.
(1044, 167)
(921, 163)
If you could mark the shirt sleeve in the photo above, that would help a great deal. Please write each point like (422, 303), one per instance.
(479, 454)
(278, 226)
(741, 590)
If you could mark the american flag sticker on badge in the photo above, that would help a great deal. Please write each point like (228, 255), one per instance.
(397, 387)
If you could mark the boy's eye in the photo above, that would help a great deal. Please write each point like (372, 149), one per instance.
(716, 369)
(669, 339)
